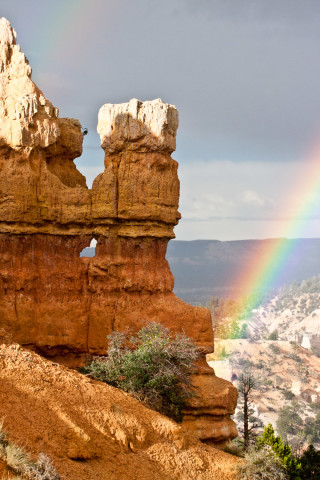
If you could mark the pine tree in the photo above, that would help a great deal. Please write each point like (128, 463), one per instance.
(246, 385)
(310, 464)
(281, 449)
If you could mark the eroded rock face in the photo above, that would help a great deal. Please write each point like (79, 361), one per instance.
(54, 301)
(138, 126)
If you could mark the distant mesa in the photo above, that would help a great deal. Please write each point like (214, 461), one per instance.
(212, 268)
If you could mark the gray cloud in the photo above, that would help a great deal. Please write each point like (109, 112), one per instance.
(244, 75)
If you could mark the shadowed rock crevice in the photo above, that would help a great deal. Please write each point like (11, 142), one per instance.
(54, 301)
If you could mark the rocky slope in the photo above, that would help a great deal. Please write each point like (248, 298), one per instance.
(93, 431)
(293, 314)
(287, 374)
(281, 351)
(64, 306)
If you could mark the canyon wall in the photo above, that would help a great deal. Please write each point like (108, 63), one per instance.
(64, 306)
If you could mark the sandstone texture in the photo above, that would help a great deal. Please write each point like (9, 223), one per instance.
(64, 306)
(92, 431)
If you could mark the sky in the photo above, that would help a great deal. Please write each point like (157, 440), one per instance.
(243, 74)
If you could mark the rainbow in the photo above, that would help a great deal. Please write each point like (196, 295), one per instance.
(303, 204)
(65, 29)
(69, 22)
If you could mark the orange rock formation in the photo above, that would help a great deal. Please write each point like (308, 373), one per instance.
(92, 431)
(62, 305)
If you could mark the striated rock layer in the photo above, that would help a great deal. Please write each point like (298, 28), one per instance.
(64, 306)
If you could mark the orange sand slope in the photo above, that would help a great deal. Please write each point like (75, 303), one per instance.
(93, 431)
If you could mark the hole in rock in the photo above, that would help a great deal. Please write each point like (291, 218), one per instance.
(91, 162)
(89, 251)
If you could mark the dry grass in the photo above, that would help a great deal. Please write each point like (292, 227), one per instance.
(11, 478)
(17, 460)
(262, 464)
(20, 463)
(235, 449)
(8, 477)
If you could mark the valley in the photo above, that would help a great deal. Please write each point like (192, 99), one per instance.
(280, 349)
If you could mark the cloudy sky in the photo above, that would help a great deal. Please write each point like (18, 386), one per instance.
(244, 75)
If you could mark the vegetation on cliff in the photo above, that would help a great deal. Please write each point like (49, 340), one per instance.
(152, 366)
(270, 458)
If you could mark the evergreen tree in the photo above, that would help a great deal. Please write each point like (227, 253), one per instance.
(312, 429)
(282, 450)
(289, 421)
(310, 464)
(246, 385)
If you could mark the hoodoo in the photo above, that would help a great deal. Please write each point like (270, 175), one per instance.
(64, 306)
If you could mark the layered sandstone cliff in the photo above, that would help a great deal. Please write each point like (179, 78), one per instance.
(54, 301)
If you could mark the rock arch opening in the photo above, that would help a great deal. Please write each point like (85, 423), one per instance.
(90, 162)
(89, 251)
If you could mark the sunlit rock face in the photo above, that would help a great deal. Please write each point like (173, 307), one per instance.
(64, 306)
(138, 126)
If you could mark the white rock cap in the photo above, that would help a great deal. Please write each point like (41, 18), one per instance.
(138, 126)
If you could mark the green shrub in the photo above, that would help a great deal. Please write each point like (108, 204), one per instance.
(295, 357)
(312, 428)
(156, 370)
(273, 335)
(274, 348)
(222, 355)
(315, 351)
(260, 364)
(288, 395)
(262, 464)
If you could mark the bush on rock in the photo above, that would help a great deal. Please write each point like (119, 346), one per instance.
(152, 366)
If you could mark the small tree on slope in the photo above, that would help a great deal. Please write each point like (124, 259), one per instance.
(246, 385)
(281, 449)
(152, 366)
